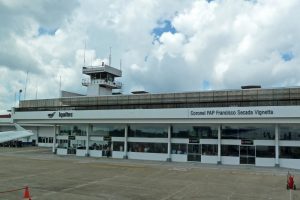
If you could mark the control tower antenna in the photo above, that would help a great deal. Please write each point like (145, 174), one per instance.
(109, 56)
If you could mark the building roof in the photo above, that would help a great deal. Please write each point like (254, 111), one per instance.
(221, 98)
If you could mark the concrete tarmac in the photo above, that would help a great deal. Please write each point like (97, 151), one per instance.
(68, 177)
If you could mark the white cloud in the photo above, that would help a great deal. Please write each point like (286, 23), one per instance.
(223, 44)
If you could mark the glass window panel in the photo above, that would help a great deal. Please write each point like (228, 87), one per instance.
(65, 130)
(178, 148)
(257, 132)
(80, 144)
(230, 150)
(251, 160)
(149, 131)
(62, 144)
(209, 149)
(194, 148)
(251, 150)
(194, 157)
(289, 132)
(229, 132)
(79, 130)
(189, 131)
(96, 145)
(290, 152)
(243, 160)
(265, 151)
(108, 130)
(118, 146)
(147, 147)
(243, 150)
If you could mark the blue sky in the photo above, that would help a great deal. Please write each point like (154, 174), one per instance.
(163, 26)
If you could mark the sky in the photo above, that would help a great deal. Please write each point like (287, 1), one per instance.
(164, 46)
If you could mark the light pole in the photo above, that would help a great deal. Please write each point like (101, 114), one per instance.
(20, 92)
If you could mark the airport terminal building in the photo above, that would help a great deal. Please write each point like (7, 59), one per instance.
(253, 126)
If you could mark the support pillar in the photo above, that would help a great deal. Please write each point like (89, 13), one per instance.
(87, 143)
(276, 145)
(219, 145)
(54, 139)
(37, 136)
(125, 143)
(169, 144)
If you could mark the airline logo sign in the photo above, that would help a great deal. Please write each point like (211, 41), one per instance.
(60, 115)
(51, 115)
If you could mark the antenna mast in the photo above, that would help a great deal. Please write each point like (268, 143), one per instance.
(120, 64)
(36, 92)
(59, 87)
(25, 86)
(84, 53)
(109, 56)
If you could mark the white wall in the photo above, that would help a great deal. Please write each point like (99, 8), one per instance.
(229, 160)
(147, 156)
(81, 152)
(179, 157)
(264, 142)
(118, 154)
(149, 140)
(230, 142)
(209, 159)
(95, 153)
(289, 143)
(208, 141)
(265, 162)
(46, 131)
(45, 144)
(62, 151)
(290, 163)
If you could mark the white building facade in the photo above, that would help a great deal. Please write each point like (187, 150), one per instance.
(231, 135)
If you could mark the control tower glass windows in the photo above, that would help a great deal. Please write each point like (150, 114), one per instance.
(110, 77)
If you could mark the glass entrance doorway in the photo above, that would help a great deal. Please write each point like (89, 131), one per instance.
(194, 152)
(247, 155)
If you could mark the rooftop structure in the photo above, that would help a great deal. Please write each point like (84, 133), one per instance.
(222, 98)
(101, 79)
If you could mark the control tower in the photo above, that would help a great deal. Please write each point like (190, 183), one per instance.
(101, 79)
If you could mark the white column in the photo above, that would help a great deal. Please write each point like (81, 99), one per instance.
(54, 139)
(37, 136)
(219, 145)
(125, 142)
(169, 144)
(276, 145)
(87, 143)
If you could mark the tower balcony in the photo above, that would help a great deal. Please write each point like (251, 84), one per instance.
(101, 82)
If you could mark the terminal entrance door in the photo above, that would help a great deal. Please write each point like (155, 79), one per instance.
(71, 146)
(194, 152)
(247, 155)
